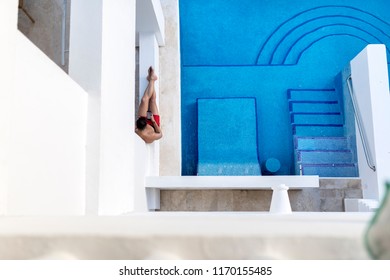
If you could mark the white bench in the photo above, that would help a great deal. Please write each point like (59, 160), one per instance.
(280, 202)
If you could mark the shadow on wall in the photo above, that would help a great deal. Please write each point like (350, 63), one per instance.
(46, 23)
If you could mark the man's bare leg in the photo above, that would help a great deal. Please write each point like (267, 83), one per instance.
(152, 77)
(149, 95)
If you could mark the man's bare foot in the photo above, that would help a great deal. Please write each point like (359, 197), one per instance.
(151, 76)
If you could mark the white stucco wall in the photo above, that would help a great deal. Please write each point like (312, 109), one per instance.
(371, 86)
(42, 126)
(46, 151)
(8, 22)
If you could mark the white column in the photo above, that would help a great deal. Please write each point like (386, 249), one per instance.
(85, 64)
(102, 60)
(117, 109)
(149, 56)
(8, 29)
(280, 202)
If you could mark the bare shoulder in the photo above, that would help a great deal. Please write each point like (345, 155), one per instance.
(147, 134)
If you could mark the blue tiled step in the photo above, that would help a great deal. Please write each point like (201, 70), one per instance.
(324, 156)
(330, 170)
(316, 119)
(321, 143)
(312, 95)
(314, 107)
(320, 131)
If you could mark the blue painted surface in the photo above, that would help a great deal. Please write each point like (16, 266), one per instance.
(227, 137)
(266, 49)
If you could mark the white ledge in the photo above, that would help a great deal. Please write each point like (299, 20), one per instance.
(230, 182)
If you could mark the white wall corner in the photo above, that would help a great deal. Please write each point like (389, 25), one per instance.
(371, 87)
(8, 29)
(151, 19)
(149, 55)
(117, 147)
(143, 200)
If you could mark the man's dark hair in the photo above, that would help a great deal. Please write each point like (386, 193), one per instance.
(141, 123)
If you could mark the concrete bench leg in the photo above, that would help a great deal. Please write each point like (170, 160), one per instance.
(280, 202)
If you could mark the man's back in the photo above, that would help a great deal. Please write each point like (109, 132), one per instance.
(148, 134)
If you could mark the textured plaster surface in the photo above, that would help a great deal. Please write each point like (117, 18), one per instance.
(46, 31)
(170, 102)
(329, 197)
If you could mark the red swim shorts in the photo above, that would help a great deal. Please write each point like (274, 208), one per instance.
(156, 118)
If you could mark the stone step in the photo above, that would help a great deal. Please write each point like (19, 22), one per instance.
(341, 183)
(321, 143)
(329, 197)
(361, 205)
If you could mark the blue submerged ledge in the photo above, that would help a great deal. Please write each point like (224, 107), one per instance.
(227, 137)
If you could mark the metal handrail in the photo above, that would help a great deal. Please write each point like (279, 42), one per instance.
(360, 125)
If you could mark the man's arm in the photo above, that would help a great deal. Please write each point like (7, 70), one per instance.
(157, 129)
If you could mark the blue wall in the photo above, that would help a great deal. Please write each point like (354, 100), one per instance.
(263, 48)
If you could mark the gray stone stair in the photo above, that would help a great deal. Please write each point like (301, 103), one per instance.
(329, 197)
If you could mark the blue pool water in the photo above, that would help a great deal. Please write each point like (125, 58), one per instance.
(269, 50)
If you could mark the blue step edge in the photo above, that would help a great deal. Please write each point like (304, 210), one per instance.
(315, 107)
(324, 119)
(324, 94)
(324, 143)
(328, 170)
(315, 113)
(324, 157)
(317, 124)
(318, 131)
(314, 101)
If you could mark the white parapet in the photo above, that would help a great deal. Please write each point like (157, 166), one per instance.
(371, 88)
(187, 235)
(279, 185)
(230, 182)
